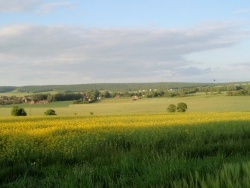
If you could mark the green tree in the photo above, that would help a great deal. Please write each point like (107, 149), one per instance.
(171, 108)
(181, 107)
(50, 112)
(105, 94)
(16, 111)
(39, 97)
(91, 96)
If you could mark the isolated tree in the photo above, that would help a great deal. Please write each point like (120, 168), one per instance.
(181, 107)
(50, 112)
(16, 111)
(171, 108)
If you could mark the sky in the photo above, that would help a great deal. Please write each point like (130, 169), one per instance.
(47, 42)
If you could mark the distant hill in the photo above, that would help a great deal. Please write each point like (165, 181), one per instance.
(5, 89)
(115, 87)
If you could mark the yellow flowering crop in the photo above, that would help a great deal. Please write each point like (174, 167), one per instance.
(72, 136)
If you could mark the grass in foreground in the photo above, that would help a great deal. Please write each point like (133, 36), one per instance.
(180, 150)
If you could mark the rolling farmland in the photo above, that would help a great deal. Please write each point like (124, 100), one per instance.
(157, 150)
(200, 103)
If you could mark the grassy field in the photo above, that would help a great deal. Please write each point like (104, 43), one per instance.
(156, 150)
(197, 103)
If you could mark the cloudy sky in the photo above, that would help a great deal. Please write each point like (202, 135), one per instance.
(46, 42)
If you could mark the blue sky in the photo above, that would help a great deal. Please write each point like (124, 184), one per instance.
(71, 42)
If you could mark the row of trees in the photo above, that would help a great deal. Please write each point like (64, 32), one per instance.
(93, 95)
(180, 107)
(115, 87)
(123, 87)
(56, 97)
(242, 92)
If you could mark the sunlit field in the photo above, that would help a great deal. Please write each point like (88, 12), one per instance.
(200, 103)
(156, 150)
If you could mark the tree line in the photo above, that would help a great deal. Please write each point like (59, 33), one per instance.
(89, 96)
(115, 87)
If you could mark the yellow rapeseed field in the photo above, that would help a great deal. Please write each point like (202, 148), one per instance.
(27, 124)
(41, 126)
(163, 144)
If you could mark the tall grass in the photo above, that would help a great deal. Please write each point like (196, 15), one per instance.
(182, 150)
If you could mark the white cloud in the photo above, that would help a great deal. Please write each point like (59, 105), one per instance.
(18, 6)
(40, 6)
(243, 65)
(59, 54)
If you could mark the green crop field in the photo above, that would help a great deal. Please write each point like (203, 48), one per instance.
(147, 150)
(196, 103)
(126, 143)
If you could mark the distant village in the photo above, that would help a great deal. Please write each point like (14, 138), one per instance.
(78, 98)
(6, 100)
(95, 95)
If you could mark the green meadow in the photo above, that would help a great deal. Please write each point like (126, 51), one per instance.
(196, 103)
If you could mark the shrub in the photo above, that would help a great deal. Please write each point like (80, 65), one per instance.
(16, 111)
(171, 108)
(50, 112)
(181, 107)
